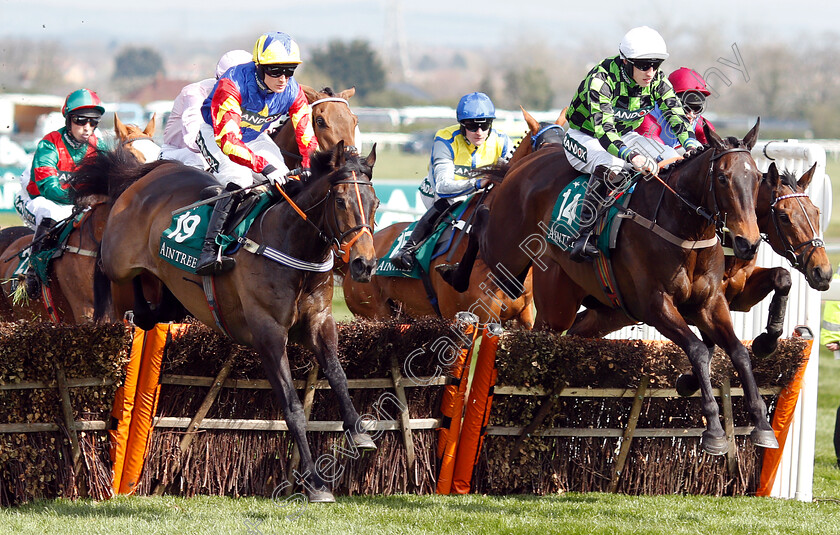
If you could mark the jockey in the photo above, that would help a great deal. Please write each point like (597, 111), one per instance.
(45, 199)
(692, 91)
(457, 150)
(610, 104)
(234, 141)
(179, 136)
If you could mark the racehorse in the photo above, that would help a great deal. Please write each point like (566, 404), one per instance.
(281, 287)
(332, 121)
(791, 224)
(68, 298)
(667, 271)
(384, 297)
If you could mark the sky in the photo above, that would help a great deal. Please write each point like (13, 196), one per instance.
(424, 22)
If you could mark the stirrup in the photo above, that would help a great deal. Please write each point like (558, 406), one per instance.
(404, 260)
(583, 252)
(219, 264)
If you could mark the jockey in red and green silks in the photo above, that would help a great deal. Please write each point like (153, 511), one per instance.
(45, 198)
(610, 104)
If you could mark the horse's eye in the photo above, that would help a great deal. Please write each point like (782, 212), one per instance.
(722, 178)
(340, 203)
(320, 122)
(784, 218)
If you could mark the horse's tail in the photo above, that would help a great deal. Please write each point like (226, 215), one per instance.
(102, 298)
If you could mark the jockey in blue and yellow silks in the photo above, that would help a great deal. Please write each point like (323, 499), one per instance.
(234, 139)
(457, 150)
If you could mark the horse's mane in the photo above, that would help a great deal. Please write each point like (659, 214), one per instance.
(730, 142)
(321, 164)
(108, 173)
(328, 91)
(789, 179)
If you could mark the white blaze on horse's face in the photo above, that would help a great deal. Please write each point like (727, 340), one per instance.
(148, 148)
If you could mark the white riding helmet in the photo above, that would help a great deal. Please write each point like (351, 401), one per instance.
(231, 59)
(643, 43)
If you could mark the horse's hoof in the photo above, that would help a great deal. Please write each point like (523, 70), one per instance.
(363, 441)
(764, 438)
(322, 495)
(687, 385)
(714, 445)
(764, 345)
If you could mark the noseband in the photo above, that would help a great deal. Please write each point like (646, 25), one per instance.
(792, 251)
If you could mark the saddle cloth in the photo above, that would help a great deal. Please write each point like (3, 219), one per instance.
(436, 245)
(565, 217)
(181, 242)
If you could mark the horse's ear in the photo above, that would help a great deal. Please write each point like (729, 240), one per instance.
(347, 93)
(714, 140)
(338, 157)
(119, 127)
(752, 135)
(772, 176)
(150, 127)
(533, 124)
(371, 158)
(805, 180)
(311, 94)
(561, 120)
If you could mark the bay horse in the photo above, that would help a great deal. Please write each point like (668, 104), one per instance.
(279, 291)
(384, 297)
(665, 278)
(332, 121)
(68, 298)
(790, 222)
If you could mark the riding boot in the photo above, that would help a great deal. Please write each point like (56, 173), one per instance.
(32, 282)
(583, 250)
(211, 261)
(404, 258)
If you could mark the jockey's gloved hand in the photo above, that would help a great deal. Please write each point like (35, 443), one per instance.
(275, 176)
(481, 183)
(643, 163)
(299, 173)
(692, 148)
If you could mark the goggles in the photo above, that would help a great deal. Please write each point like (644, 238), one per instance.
(693, 101)
(645, 65)
(276, 71)
(473, 126)
(82, 121)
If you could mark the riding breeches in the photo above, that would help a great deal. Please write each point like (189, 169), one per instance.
(184, 155)
(225, 170)
(585, 152)
(32, 211)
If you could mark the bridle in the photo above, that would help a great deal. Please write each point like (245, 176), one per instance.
(792, 253)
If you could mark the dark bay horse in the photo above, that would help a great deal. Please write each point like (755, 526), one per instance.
(791, 224)
(281, 290)
(384, 297)
(332, 121)
(665, 278)
(69, 296)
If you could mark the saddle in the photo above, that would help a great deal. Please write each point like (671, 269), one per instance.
(437, 244)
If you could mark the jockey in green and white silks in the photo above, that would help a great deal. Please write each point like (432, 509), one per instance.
(611, 102)
(457, 150)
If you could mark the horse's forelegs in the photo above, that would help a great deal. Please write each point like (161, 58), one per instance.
(719, 328)
(599, 322)
(325, 345)
(761, 283)
(671, 324)
(272, 349)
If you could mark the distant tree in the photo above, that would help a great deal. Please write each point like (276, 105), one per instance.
(351, 64)
(138, 62)
(530, 87)
(459, 61)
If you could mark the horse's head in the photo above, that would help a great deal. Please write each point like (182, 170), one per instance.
(138, 142)
(538, 134)
(350, 206)
(733, 178)
(332, 119)
(792, 224)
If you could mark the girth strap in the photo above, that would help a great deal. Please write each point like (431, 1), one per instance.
(664, 234)
(79, 251)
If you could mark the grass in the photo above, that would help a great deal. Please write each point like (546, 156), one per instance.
(583, 514)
